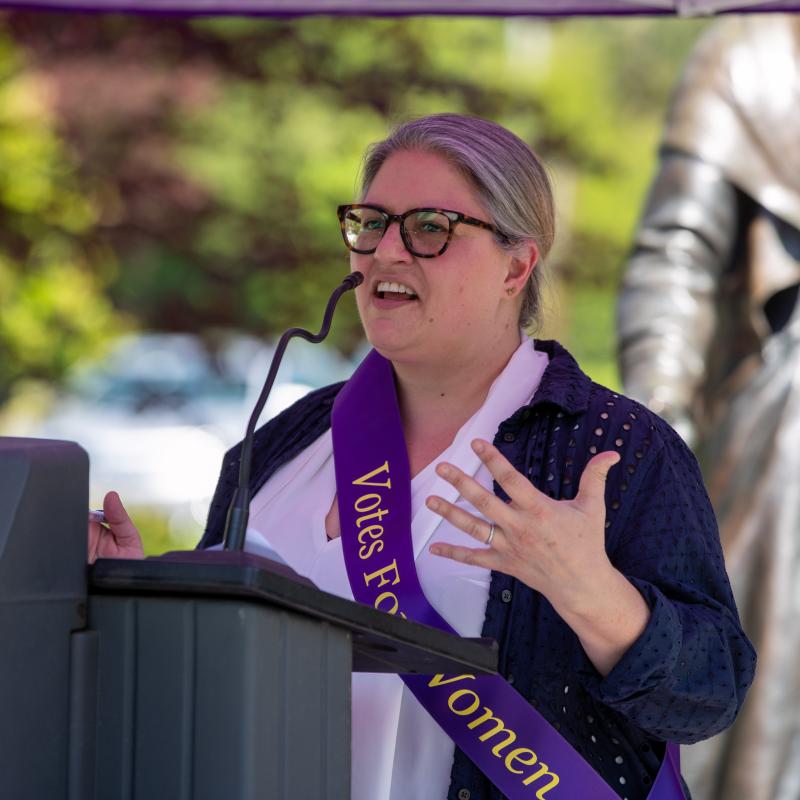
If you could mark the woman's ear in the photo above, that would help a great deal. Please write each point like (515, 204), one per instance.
(522, 262)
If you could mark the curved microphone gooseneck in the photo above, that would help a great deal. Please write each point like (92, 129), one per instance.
(239, 510)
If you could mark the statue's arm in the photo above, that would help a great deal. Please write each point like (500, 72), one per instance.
(667, 307)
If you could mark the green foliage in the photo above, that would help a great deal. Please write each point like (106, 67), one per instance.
(51, 277)
(588, 95)
(199, 185)
(606, 93)
(590, 331)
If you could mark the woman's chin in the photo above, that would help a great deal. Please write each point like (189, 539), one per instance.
(390, 347)
(384, 332)
(395, 344)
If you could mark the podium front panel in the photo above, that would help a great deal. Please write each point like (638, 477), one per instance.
(202, 699)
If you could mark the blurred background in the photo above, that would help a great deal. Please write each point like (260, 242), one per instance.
(167, 207)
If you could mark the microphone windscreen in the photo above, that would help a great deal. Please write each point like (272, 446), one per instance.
(354, 279)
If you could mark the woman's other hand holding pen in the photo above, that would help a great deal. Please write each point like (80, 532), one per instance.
(116, 536)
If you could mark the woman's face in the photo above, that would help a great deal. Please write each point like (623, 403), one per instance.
(460, 301)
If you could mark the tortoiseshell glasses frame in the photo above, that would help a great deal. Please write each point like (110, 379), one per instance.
(438, 238)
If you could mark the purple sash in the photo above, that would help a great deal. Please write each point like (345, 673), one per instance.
(512, 744)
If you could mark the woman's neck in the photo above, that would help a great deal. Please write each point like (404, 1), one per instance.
(436, 400)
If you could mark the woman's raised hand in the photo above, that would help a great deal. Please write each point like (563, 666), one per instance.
(117, 537)
(556, 547)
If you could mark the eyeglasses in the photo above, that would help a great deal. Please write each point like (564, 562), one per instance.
(425, 232)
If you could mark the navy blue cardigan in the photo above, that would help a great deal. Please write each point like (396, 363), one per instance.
(685, 678)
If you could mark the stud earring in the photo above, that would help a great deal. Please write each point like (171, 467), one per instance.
(509, 291)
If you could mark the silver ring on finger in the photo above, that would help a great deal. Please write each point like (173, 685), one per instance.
(492, 529)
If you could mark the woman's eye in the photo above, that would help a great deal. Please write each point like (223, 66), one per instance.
(373, 224)
(431, 227)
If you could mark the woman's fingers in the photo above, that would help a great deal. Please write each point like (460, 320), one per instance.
(591, 495)
(477, 557)
(118, 537)
(550, 545)
(521, 491)
(118, 520)
(491, 506)
(477, 528)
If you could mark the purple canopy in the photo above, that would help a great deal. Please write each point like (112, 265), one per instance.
(396, 7)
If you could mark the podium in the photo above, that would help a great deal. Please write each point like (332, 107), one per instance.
(191, 676)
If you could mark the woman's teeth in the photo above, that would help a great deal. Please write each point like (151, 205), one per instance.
(395, 288)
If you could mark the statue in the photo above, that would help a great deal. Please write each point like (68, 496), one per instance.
(709, 337)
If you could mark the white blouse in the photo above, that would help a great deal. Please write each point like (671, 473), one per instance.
(398, 751)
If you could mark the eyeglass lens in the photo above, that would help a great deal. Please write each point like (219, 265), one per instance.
(425, 231)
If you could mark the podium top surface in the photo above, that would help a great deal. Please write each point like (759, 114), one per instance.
(381, 642)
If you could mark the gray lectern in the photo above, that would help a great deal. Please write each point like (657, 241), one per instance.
(193, 676)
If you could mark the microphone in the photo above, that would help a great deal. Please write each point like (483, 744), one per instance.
(239, 510)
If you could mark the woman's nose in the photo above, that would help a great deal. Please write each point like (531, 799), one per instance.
(392, 247)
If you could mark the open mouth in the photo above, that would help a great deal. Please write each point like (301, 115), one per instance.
(389, 290)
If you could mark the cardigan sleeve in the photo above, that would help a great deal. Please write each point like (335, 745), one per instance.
(686, 676)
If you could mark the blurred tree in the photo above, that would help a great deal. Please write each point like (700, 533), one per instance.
(53, 271)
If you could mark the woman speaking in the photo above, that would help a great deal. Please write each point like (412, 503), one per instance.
(473, 479)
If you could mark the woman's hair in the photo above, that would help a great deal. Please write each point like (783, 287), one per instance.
(509, 179)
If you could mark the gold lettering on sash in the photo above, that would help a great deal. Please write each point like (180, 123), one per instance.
(365, 480)
(440, 680)
(515, 755)
(499, 727)
(393, 609)
(366, 497)
(367, 550)
(380, 514)
(381, 573)
(368, 506)
(473, 707)
(543, 770)
(373, 531)
(496, 727)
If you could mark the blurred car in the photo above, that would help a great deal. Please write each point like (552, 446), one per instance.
(158, 412)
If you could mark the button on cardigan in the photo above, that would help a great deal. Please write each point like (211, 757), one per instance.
(685, 678)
